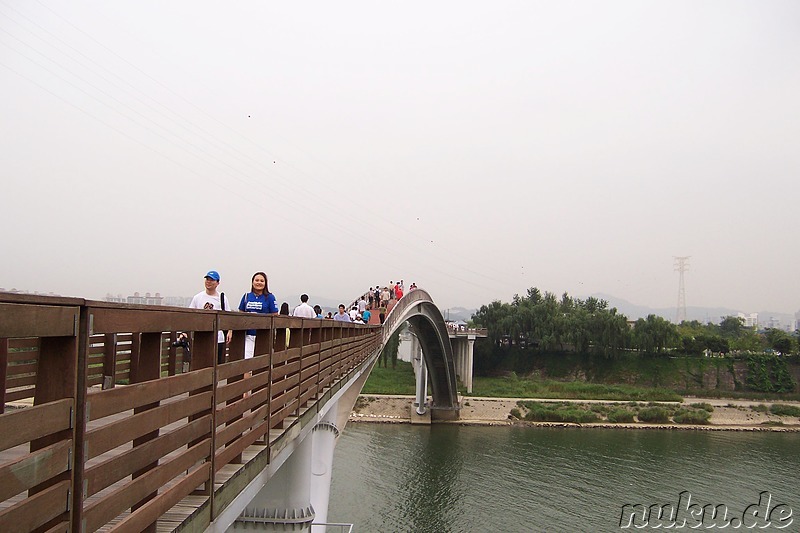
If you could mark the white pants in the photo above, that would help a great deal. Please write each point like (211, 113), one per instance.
(249, 346)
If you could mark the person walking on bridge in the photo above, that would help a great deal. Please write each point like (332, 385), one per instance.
(211, 299)
(258, 300)
(342, 316)
(304, 310)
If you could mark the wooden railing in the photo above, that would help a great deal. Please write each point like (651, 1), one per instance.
(120, 430)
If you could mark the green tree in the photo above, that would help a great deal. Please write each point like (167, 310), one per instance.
(654, 334)
(731, 327)
(780, 341)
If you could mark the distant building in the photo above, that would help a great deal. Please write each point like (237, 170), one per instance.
(750, 321)
(149, 299)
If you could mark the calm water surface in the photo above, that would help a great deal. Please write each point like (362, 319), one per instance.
(444, 478)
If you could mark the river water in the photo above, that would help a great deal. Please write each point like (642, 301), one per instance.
(398, 477)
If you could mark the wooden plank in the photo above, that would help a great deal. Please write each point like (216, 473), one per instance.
(119, 432)
(225, 456)
(238, 388)
(235, 429)
(20, 394)
(229, 412)
(107, 508)
(26, 343)
(34, 468)
(20, 381)
(105, 474)
(21, 320)
(237, 368)
(108, 402)
(150, 512)
(23, 357)
(27, 367)
(36, 510)
(150, 320)
(34, 422)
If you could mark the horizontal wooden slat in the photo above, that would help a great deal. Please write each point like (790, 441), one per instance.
(12, 396)
(22, 320)
(232, 410)
(151, 320)
(34, 468)
(238, 388)
(23, 343)
(108, 402)
(103, 475)
(34, 422)
(26, 368)
(105, 509)
(23, 357)
(237, 368)
(235, 429)
(20, 381)
(234, 450)
(36, 510)
(148, 513)
(115, 434)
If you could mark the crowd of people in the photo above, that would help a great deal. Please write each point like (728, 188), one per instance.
(259, 299)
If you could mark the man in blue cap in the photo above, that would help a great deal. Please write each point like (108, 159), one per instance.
(211, 299)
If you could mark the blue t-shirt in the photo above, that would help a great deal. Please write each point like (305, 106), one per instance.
(366, 316)
(264, 303)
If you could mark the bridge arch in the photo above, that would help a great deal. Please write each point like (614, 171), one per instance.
(427, 323)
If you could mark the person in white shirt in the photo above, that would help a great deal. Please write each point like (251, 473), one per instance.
(304, 310)
(211, 299)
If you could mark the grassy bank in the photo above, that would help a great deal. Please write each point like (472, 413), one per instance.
(400, 380)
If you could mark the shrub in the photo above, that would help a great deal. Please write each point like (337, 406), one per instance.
(620, 415)
(558, 412)
(704, 406)
(782, 409)
(689, 416)
(761, 408)
(658, 415)
(516, 413)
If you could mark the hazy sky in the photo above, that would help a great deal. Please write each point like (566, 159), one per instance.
(475, 148)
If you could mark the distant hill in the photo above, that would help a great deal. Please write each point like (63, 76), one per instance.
(701, 314)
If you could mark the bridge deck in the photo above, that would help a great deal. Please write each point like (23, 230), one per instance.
(119, 436)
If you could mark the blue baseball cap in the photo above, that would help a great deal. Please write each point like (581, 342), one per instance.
(213, 274)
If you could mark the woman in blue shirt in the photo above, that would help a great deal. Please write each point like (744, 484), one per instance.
(258, 300)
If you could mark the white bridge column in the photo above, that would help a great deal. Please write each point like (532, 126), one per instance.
(421, 372)
(470, 360)
(285, 502)
(324, 436)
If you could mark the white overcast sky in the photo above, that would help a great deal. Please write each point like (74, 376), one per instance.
(475, 148)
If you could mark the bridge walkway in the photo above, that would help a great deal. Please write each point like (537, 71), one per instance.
(126, 435)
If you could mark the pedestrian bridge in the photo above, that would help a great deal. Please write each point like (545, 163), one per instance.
(123, 432)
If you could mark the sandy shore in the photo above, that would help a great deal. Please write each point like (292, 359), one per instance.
(728, 415)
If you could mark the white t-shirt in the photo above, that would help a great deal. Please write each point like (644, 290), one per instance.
(304, 310)
(202, 300)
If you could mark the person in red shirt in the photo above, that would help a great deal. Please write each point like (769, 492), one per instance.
(398, 292)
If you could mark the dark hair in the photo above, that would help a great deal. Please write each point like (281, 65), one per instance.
(318, 309)
(266, 282)
(284, 309)
(304, 298)
(342, 305)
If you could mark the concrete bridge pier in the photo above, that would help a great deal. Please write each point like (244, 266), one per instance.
(285, 502)
(421, 374)
(324, 441)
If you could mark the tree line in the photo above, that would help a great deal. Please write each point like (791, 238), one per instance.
(543, 323)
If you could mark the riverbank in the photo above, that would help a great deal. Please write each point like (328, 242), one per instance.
(727, 415)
